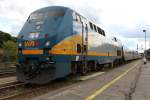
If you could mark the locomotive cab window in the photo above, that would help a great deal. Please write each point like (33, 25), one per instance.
(78, 18)
(100, 31)
(91, 25)
(115, 39)
(103, 32)
(86, 28)
(95, 28)
(75, 17)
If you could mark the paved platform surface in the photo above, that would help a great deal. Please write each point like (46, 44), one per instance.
(142, 91)
(127, 82)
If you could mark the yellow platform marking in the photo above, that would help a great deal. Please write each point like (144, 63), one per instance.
(83, 78)
(99, 91)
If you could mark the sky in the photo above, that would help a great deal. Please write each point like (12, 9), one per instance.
(125, 18)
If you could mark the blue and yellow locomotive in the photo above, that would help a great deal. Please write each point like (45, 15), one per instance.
(57, 41)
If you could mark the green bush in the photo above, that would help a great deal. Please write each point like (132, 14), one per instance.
(4, 37)
(10, 51)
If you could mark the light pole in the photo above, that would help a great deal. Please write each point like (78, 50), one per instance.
(145, 41)
(137, 48)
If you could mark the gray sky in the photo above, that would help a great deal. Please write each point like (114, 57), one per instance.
(125, 18)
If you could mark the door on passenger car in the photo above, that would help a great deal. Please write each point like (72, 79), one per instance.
(84, 38)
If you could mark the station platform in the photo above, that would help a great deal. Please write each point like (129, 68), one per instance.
(127, 82)
(142, 91)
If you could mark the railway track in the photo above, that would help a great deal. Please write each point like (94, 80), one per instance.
(7, 74)
(25, 93)
(20, 90)
(16, 91)
(9, 89)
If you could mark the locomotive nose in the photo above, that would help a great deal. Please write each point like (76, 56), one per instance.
(39, 48)
(35, 49)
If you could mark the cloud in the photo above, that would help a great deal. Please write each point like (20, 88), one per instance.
(82, 6)
(126, 18)
(13, 13)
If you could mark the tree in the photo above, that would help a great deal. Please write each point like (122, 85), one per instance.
(5, 37)
(10, 51)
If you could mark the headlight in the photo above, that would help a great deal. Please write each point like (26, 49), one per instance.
(47, 43)
(20, 44)
(38, 27)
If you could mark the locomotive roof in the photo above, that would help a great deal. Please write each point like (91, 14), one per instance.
(52, 8)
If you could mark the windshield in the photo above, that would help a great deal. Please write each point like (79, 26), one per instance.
(39, 16)
(36, 16)
(55, 13)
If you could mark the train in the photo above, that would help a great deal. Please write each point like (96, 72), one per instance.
(57, 41)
